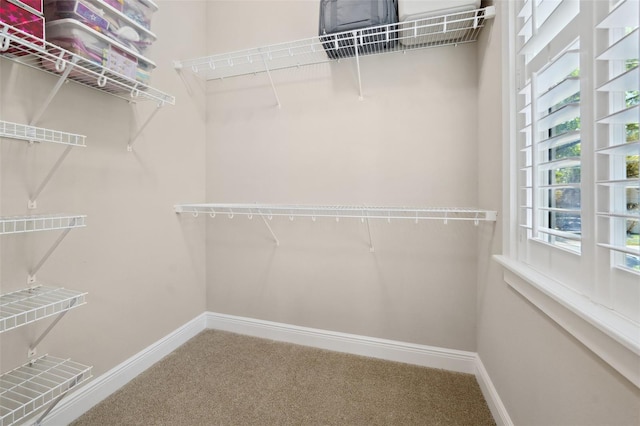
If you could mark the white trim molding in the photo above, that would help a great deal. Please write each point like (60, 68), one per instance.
(82, 400)
(614, 339)
(426, 356)
(490, 393)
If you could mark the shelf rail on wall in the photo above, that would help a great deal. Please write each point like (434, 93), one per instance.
(42, 381)
(33, 134)
(364, 213)
(436, 31)
(34, 52)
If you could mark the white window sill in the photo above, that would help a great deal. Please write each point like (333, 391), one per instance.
(613, 338)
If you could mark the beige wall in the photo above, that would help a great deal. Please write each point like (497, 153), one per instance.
(410, 142)
(142, 268)
(543, 375)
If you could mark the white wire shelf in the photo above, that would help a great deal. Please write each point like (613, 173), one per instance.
(266, 212)
(442, 30)
(36, 53)
(23, 224)
(29, 305)
(337, 212)
(26, 389)
(39, 134)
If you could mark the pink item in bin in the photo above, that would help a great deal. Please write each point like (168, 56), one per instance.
(23, 23)
(36, 5)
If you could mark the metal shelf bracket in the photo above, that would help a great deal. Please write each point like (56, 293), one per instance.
(31, 278)
(34, 196)
(135, 136)
(62, 66)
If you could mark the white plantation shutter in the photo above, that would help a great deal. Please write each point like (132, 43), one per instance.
(577, 146)
(617, 113)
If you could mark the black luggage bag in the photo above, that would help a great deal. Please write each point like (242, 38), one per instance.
(337, 16)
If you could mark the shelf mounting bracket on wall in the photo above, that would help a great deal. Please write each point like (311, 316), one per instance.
(355, 44)
(133, 138)
(34, 196)
(31, 278)
(273, 87)
(371, 248)
(275, 239)
(61, 66)
(32, 348)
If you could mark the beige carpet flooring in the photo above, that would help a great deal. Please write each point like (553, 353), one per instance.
(220, 378)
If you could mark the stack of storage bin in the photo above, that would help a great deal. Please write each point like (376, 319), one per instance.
(25, 16)
(112, 33)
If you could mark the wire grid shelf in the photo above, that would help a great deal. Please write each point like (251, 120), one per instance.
(38, 134)
(34, 52)
(23, 224)
(30, 387)
(29, 305)
(442, 30)
(337, 212)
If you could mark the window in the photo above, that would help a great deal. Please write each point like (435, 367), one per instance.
(575, 199)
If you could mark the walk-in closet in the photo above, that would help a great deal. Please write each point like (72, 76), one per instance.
(255, 212)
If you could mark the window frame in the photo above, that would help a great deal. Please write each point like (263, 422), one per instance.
(613, 337)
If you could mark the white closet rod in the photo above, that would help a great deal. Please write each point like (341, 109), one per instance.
(337, 212)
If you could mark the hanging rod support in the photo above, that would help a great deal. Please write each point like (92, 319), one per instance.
(270, 230)
(273, 86)
(63, 78)
(32, 274)
(144, 125)
(33, 198)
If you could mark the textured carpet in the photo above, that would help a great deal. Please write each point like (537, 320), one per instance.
(220, 378)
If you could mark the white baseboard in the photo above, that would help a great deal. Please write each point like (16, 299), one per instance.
(427, 356)
(498, 410)
(77, 403)
(80, 401)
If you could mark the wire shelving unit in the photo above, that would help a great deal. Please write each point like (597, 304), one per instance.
(267, 212)
(42, 381)
(40, 54)
(24, 48)
(24, 224)
(23, 307)
(436, 31)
